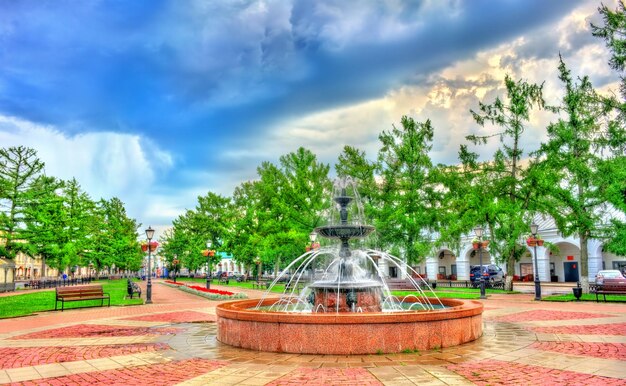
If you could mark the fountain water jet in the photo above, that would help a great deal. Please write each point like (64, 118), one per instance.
(350, 299)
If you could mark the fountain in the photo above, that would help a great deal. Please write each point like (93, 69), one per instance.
(347, 307)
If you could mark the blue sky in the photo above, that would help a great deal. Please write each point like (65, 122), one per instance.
(157, 102)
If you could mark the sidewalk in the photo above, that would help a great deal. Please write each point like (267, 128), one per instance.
(172, 342)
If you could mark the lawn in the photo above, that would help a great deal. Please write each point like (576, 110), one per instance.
(30, 303)
(584, 298)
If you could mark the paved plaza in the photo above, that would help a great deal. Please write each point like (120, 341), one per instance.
(172, 342)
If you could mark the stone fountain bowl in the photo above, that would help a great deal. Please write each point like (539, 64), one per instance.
(240, 325)
(348, 231)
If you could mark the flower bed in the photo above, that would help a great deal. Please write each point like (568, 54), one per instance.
(212, 294)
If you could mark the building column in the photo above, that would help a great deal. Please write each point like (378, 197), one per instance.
(543, 263)
(432, 268)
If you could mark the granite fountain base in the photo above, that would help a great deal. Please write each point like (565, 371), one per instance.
(348, 333)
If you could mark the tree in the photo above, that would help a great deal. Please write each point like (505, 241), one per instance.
(115, 242)
(19, 169)
(353, 163)
(578, 155)
(501, 192)
(45, 222)
(409, 216)
(245, 238)
(292, 201)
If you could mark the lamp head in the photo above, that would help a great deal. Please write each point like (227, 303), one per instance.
(313, 236)
(208, 244)
(149, 233)
(534, 228)
(478, 231)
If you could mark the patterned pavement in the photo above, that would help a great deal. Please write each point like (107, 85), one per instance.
(172, 342)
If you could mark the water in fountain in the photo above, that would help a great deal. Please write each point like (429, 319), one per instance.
(339, 279)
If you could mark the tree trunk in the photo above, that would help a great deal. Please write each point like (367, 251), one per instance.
(510, 272)
(584, 263)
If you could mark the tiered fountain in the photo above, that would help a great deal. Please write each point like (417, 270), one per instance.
(348, 308)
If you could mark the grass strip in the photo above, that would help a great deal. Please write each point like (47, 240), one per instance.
(29, 303)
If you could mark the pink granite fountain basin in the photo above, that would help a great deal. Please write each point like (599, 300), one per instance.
(347, 333)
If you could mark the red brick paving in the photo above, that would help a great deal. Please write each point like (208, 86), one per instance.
(498, 373)
(597, 350)
(13, 357)
(592, 329)
(537, 315)
(327, 376)
(94, 330)
(161, 374)
(176, 317)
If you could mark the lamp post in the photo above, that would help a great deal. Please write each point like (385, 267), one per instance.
(208, 258)
(312, 237)
(149, 235)
(534, 228)
(479, 234)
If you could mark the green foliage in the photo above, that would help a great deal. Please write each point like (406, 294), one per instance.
(579, 163)
(408, 190)
(19, 170)
(501, 193)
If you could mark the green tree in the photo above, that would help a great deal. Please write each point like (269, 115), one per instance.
(116, 239)
(353, 163)
(292, 200)
(577, 156)
(245, 238)
(408, 216)
(19, 169)
(45, 222)
(501, 192)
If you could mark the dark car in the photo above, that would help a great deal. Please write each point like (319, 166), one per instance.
(491, 272)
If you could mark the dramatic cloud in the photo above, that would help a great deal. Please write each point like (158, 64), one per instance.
(158, 102)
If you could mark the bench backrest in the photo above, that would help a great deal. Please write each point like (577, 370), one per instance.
(79, 292)
(617, 287)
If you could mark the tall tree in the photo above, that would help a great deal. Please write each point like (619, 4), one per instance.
(409, 216)
(116, 242)
(45, 222)
(19, 169)
(578, 154)
(292, 201)
(501, 190)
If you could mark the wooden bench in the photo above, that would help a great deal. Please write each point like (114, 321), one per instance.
(610, 289)
(261, 284)
(75, 294)
(132, 288)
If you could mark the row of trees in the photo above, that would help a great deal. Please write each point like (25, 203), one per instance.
(576, 176)
(43, 216)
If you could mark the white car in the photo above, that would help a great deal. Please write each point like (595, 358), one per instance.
(610, 276)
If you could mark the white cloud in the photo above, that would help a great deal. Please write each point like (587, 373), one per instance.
(105, 164)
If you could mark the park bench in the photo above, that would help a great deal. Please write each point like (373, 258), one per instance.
(223, 279)
(133, 289)
(260, 284)
(74, 294)
(610, 289)
(298, 287)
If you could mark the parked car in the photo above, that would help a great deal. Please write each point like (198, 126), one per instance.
(492, 273)
(610, 276)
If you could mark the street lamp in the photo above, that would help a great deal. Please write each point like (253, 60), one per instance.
(479, 234)
(149, 235)
(312, 237)
(208, 258)
(534, 228)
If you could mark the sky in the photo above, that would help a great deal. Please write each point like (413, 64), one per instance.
(157, 102)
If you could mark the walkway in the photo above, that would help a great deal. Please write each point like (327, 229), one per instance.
(172, 342)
